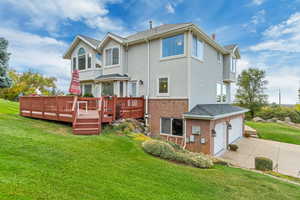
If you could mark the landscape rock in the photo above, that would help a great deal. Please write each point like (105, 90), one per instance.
(287, 119)
(258, 119)
(269, 120)
(274, 119)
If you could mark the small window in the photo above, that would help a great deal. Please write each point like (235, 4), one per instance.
(112, 56)
(74, 63)
(173, 46)
(221, 93)
(132, 89)
(198, 47)
(107, 89)
(81, 59)
(98, 66)
(89, 61)
(88, 89)
(219, 57)
(171, 126)
(233, 65)
(121, 89)
(163, 86)
(98, 56)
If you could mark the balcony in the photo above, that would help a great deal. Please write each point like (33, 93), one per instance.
(229, 77)
(90, 74)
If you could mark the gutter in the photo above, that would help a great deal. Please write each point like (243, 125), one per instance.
(209, 117)
(148, 82)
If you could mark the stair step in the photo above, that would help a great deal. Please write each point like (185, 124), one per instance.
(86, 131)
(87, 120)
(86, 125)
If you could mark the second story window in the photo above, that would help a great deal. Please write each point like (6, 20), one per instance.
(74, 63)
(221, 93)
(198, 47)
(233, 65)
(219, 57)
(173, 46)
(112, 56)
(81, 59)
(163, 86)
(89, 61)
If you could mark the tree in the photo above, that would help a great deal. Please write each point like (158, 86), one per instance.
(5, 81)
(251, 87)
(29, 83)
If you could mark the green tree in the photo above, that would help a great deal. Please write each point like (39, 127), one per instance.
(251, 90)
(29, 83)
(5, 81)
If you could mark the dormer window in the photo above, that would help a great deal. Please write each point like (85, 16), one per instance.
(112, 56)
(81, 59)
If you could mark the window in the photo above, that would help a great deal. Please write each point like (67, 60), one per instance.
(163, 86)
(219, 57)
(171, 126)
(107, 89)
(221, 93)
(132, 89)
(121, 89)
(98, 66)
(173, 46)
(198, 46)
(74, 63)
(112, 56)
(81, 59)
(89, 61)
(98, 56)
(88, 89)
(233, 65)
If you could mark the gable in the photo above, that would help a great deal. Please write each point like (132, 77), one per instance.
(78, 40)
(110, 38)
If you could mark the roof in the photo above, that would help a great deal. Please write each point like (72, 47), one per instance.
(214, 111)
(230, 47)
(156, 30)
(91, 40)
(112, 76)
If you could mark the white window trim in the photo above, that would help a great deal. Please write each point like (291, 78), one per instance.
(233, 68)
(86, 60)
(72, 61)
(104, 57)
(163, 94)
(137, 87)
(171, 128)
(226, 100)
(219, 55)
(175, 56)
(195, 57)
(83, 88)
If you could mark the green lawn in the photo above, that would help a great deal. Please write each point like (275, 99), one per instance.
(42, 160)
(276, 132)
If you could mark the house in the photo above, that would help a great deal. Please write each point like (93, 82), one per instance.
(184, 75)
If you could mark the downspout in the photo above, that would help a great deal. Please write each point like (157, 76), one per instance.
(148, 82)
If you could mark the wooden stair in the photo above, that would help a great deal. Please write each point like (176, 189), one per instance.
(86, 126)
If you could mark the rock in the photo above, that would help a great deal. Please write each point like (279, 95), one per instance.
(280, 122)
(269, 120)
(291, 123)
(274, 119)
(258, 119)
(287, 119)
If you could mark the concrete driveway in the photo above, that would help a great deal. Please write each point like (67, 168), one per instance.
(287, 156)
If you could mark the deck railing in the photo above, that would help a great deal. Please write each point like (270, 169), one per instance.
(65, 108)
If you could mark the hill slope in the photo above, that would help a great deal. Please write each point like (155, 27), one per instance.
(42, 160)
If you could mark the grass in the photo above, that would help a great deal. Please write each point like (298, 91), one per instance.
(276, 132)
(43, 160)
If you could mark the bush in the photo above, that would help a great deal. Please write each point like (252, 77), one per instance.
(194, 159)
(279, 112)
(88, 95)
(263, 164)
(159, 148)
(233, 147)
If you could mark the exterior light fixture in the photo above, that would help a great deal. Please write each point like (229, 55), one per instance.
(213, 133)
(229, 126)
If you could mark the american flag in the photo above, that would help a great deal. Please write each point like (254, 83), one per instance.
(75, 84)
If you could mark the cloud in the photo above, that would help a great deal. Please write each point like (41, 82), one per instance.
(284, 36)
(50, 14)
(41, 54)
(259, 17)
(170, 8)
(257, 2)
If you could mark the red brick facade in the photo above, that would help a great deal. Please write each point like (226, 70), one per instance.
(158, 108)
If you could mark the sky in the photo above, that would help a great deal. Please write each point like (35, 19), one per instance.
(267, 32)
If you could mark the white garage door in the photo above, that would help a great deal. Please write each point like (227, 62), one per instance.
(237, 129)
(220, 139)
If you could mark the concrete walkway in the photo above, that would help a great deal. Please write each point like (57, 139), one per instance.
(287, 156)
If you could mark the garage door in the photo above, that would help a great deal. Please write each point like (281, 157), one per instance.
(237, 129)
(220, 139)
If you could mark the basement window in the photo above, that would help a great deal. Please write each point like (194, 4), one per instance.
(171, 126)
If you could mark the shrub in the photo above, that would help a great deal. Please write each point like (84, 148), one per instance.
(159, 148)
(88, 95)
(233, 147)
(263, 164)
(177, 147)
(279, 112)
(194, 159)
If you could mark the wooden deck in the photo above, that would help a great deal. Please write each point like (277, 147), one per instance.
(86, 114)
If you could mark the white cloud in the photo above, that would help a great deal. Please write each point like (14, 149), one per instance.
(170, 8)
(50, 13)
(258, 2)
(259, 17)
(284, 36)
(42, 54)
